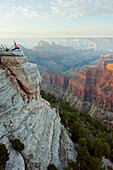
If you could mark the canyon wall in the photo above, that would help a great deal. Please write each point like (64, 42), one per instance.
(90, 90)
(24, 114)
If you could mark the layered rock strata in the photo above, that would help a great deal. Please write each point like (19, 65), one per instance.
(27, 116)
(90, 90)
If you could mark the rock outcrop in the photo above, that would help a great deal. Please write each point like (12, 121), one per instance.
(90, 90)
(27, 116)
(110, 66)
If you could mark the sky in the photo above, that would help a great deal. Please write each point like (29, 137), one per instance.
(56, 18)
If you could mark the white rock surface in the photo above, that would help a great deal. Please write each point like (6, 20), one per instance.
(15, 162)
(25, 115)
(106, 163)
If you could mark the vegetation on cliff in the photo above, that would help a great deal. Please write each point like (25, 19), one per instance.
(17, 145)
(51, 167)
(92, 137)
(4, 156)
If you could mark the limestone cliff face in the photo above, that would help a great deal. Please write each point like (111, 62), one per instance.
(27, 116)
(90, 90)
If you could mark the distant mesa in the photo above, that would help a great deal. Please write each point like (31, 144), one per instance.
(42, 44)
(53, 43)
(45, 44)
(107, 56)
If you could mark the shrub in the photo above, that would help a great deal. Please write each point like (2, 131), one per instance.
(4, 155)
(68, 168)
(98, 148)
(7, 49)
(52, 167)
(17, 145)
(72, 164)
(84, 158)
(111, 156)
(82, 142)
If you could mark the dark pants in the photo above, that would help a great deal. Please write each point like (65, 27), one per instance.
(15, 49)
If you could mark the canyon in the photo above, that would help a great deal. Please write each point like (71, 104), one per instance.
(90, 90)
(25, 115)
(59, 58)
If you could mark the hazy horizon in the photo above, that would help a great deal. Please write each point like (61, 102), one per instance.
(31, 42)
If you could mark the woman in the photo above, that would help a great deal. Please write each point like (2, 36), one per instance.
(15, 46)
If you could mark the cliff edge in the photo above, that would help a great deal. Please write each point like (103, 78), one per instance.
(27, 116)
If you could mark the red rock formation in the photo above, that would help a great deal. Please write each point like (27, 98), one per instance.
(100, 63)
(92, 85)
(56, 79)
(110, 66)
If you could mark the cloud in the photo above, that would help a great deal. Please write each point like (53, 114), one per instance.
(24, 9)
(79, 8)
(32, 13)
(31, 9)
(61, 8)
(10, 14)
